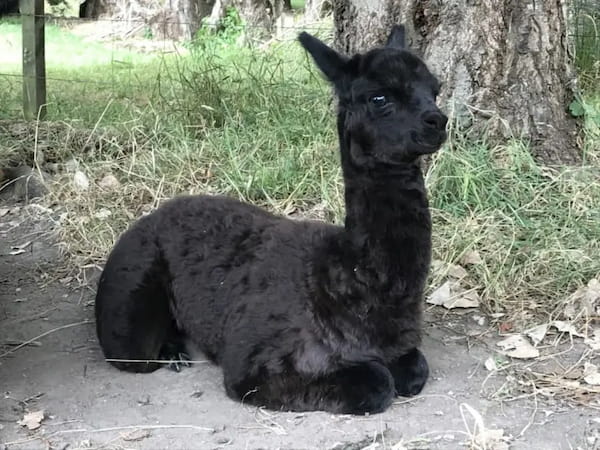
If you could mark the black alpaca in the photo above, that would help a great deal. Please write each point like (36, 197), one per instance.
(300, 315)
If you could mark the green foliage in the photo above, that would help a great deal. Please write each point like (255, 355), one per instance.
(148, 34)
(576, 108)
(298, 4)
(226, 32)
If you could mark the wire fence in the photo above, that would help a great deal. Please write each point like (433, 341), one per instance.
(585, 30)
(113, 41)
(119, 47)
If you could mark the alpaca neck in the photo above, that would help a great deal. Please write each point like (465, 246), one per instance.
(380, 259)
(374, 269)
(387, 215)
(387, 212)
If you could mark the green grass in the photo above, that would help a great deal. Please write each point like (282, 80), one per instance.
(259, 125)
(103, 74)
(535, 228)
(298, 4)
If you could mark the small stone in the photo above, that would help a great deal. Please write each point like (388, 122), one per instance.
(72, 165)
(80, 181)
(109, 182)
(103, 214)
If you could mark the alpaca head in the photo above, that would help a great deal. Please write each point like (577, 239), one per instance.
(387, 110)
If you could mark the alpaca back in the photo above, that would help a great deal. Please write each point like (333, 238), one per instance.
(232, 264)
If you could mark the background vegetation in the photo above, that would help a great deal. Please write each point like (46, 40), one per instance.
(257, 123)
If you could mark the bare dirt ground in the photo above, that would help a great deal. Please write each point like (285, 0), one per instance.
(88, 404)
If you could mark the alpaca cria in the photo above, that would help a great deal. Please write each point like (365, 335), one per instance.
(301, 315)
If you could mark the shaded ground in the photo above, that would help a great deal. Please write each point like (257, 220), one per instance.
(88, 404)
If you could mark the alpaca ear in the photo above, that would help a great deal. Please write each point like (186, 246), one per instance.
(330, 62)
(397, 38)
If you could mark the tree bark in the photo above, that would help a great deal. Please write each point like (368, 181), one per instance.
(316, 9)
(506, 65)
(259, 16)
(168, 19)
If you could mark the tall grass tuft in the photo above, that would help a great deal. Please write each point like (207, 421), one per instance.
(534, 227)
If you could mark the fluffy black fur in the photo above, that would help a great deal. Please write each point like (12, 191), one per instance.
(300, 315)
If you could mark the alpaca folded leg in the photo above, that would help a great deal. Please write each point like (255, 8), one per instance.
(134, 335)
(359, 389)
(410, 373)
(133, 318)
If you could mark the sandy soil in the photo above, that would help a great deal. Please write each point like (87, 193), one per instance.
(89, 404)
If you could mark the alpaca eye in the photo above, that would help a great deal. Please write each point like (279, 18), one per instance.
(378, 100)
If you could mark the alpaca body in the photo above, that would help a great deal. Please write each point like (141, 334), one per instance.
(267, 306)
(301, 315)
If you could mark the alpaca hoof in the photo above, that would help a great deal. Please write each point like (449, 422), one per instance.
(411, 373)
(179, 361)
(370, 389)
(175, 352)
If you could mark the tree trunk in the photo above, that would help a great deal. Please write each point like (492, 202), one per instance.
(260, 13)
(259, 16)
(316, 9)
(167, 19)
(505, 66)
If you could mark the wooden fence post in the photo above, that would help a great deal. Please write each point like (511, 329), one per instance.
(34, 59)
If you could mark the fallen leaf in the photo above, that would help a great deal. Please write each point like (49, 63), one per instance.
(503, 327)
(490, 364)
(440, 295)
(517, 346)
(452, 270)
(452, 295)
(472, 257)
(590, 374)
(566, 327)
(537, 334)
(594, 341)
(468, 299)
(456, 271)
(135, 435)
(32, 420)
(491, 439)
(583, 300)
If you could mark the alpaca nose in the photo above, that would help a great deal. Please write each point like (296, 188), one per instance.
(435, 119)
